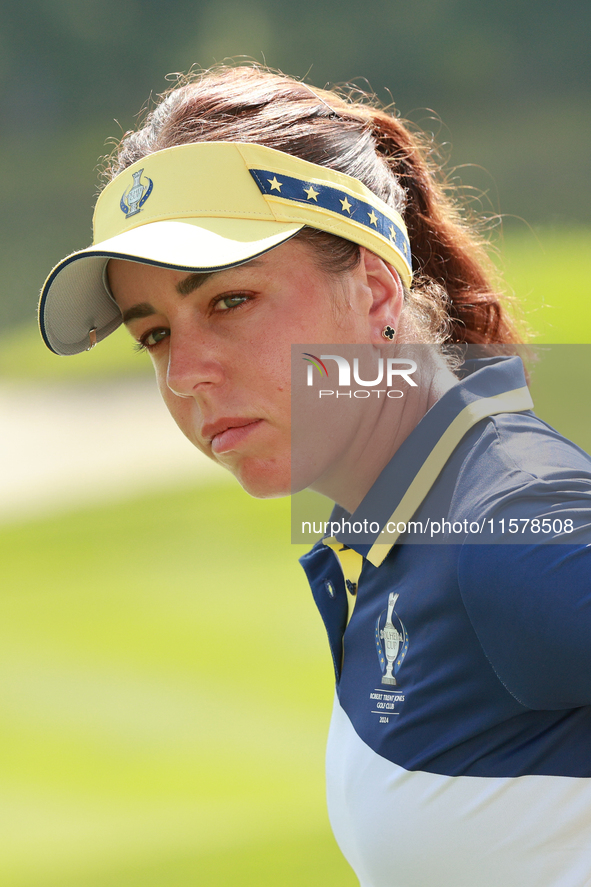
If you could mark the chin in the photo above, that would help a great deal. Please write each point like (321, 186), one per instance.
(264, 481)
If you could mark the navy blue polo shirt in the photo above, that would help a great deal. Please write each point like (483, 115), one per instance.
(461, 640)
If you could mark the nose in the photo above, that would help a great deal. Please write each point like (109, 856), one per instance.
(194, 364)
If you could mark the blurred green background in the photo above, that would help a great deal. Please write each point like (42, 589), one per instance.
(165, 689)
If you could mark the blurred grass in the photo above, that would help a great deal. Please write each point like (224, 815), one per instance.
(24, 358)
(165, 695)
(547, 271)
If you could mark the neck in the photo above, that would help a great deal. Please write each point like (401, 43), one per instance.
(386, 424)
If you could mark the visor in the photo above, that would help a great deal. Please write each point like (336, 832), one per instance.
(207, 207)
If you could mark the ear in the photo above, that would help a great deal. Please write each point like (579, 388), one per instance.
(387, 295)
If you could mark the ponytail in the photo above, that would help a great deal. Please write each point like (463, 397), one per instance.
(445, 250)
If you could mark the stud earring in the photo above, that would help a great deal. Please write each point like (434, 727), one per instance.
(388, 332)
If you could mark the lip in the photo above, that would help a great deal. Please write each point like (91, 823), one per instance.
(227, 434)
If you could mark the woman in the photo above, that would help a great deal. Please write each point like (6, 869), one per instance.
(252, 214)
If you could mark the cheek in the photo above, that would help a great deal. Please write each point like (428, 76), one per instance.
(266, 368)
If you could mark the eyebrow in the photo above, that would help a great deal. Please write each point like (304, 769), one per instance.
(142, 309)
(192, 282)
(185, 286)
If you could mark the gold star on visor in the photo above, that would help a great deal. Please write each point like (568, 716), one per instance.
(312, 194)
(373, 218)
(275, 185)
(346, 206)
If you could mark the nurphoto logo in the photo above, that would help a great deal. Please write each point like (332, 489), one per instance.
(388, 371)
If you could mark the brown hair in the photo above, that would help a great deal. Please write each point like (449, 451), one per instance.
(452, 293)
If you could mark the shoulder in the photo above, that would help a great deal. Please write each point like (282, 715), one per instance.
(524, 579)
(517, 458)
(528, 444)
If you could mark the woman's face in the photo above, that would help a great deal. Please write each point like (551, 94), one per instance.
(221, 348)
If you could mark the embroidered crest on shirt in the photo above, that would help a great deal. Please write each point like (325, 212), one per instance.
(391, 642)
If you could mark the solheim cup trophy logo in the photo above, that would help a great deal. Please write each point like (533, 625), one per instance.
(391, 642)
(133, 199)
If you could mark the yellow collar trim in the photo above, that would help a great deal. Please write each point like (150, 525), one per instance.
(515, 401)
